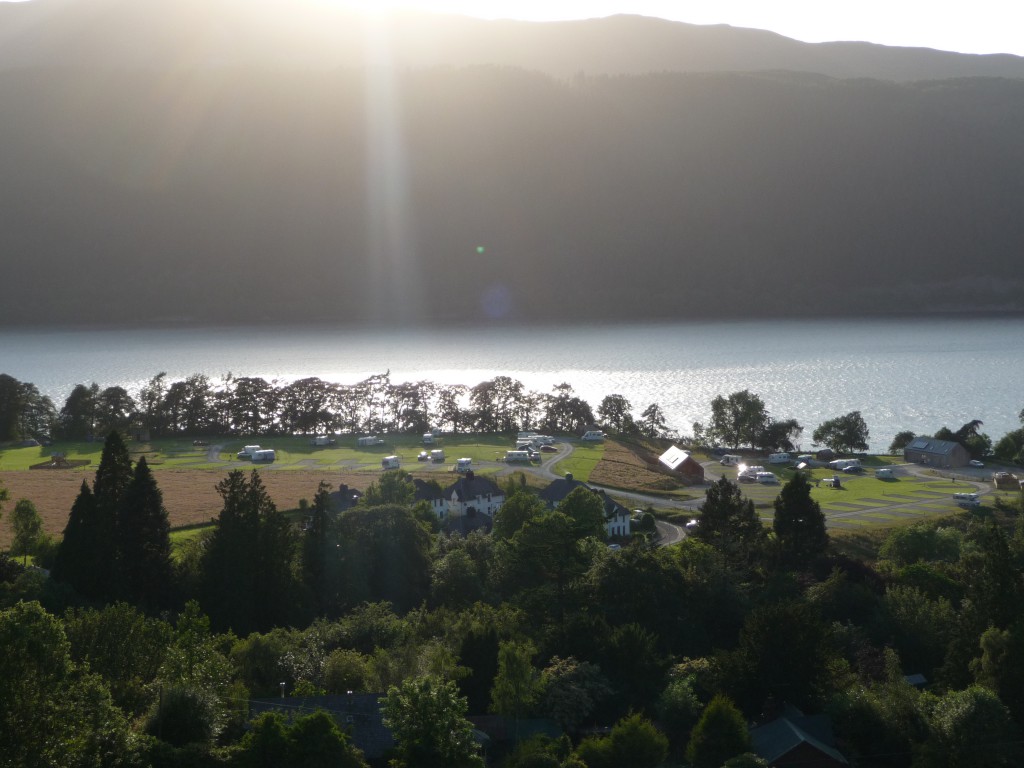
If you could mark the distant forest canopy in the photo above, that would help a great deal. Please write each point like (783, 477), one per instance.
(234, 405)
(466, 194)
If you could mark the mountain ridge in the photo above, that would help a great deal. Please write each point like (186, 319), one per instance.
(186, 33)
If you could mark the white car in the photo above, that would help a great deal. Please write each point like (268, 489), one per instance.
(694, 522)
(976, 463)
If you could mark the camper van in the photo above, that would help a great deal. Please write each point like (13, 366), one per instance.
(967, 500)
(247, 452)
(368, 440)
(730, 459)
(593, 434)
(263, 456)
(884, 473)
(517, 455)
(390, 462)
(322, 440)
(428, 438)
(528, 435)
(437, 455)
(778, 458)
(463, 465)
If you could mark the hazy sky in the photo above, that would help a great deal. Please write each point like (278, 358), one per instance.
(981, 26)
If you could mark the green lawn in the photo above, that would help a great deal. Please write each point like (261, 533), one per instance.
(581, 463)
(291, 452)
(180, 536)
(18, 459)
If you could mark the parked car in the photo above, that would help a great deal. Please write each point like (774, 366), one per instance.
(976, 463)
(422, 456)
(694, 522)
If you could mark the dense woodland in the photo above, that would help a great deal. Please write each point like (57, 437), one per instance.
(132, 658)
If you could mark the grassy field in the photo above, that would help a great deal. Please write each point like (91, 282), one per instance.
(188, 478)
(292, 453)
(585, 456)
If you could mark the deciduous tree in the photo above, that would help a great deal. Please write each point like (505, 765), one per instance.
(720, 734)
(586, 510)
(843, 434)
(571, 690)
(520, 506)
(52, 711)
(613, 410)
(28, 527)
(395, 486)
(77, 418)
(517, 685)
(737, 419)
(427, 718)
(114, 409)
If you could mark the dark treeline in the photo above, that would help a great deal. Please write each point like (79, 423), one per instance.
(251, 197)
(244, 405)
(236, 406)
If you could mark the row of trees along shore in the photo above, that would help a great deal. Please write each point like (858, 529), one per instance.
(124, 656)
(253, 406)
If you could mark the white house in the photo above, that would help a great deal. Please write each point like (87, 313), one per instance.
(471, 495)
(467, 504)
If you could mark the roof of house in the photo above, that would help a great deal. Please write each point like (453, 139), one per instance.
(557, 490)
(778, 738)
(931, 445)
(674, 458)
(471, 486)
(426, 491)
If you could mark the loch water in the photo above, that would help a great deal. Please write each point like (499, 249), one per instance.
(917, 374)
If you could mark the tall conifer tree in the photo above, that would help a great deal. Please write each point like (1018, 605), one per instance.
(315, 543)
(75, 563)
(247, 580)
(143, 541)
(799, 523)
(113, 475)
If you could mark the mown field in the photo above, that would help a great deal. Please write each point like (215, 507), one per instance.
(189, 495)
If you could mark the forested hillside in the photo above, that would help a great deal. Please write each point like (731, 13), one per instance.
(238, 195)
